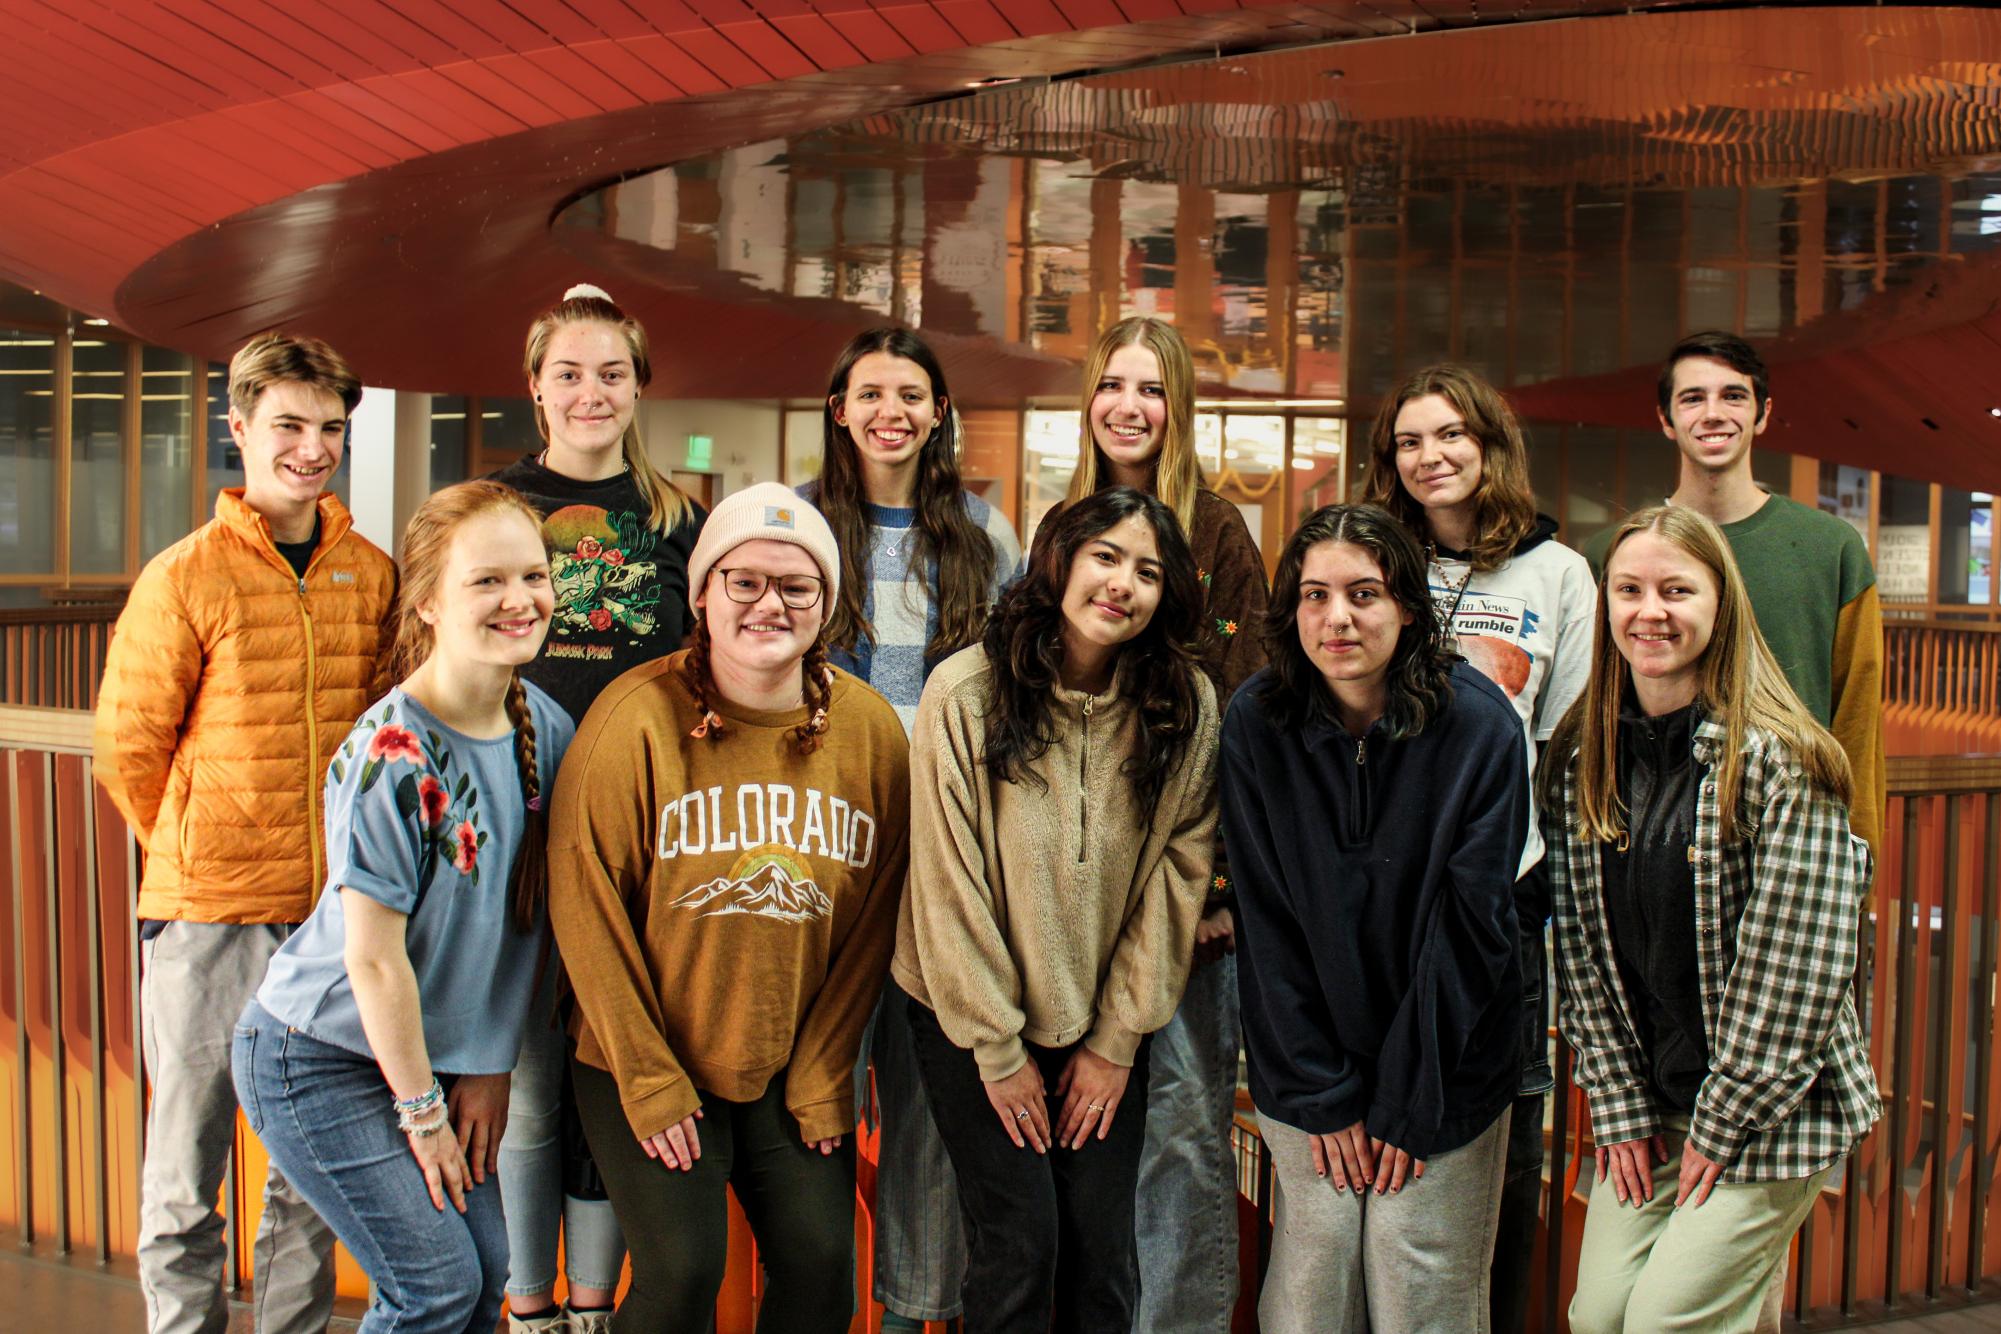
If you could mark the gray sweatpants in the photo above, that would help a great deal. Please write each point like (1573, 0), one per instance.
(1383, 1264)
(194, 980)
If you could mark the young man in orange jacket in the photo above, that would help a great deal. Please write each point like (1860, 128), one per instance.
(243, 656)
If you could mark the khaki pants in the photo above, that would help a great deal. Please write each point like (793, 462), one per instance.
(1707, 1267)
(1386, 1264)
(194, 981)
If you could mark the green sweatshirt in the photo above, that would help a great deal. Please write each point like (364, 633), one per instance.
(725, 905)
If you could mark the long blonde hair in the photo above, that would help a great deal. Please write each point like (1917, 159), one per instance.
(1503, 503)
(667, 505)
(427, 542)
(1740, 686)
(1177, 477)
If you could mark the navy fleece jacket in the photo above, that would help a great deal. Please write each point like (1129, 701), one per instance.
(1377, 951)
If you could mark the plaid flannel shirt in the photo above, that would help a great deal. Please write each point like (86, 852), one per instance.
(1778, 916)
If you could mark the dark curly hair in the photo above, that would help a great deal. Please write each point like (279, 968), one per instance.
(1157, 670)
(1420, 669)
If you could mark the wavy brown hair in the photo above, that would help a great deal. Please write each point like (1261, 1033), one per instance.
(276, 357)
(427, 543)
(1157, 670)
(953, 556)
(667, 505)
(1418, 678)
(1177, 476)
(1504, 502)
(1741, 686)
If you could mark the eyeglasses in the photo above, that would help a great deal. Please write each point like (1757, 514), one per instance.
(797, 591)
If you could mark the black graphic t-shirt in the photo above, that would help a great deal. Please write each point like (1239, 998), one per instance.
(621, 588)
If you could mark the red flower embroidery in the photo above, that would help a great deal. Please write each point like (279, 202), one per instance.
(588, 548)
(391, 742)
(600, 619)
(468, 852)
(614, 557)
(432, 799)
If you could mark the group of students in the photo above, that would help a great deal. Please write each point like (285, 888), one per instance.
(660, 847)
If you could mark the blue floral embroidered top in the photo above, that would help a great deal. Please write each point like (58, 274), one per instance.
(425, 820)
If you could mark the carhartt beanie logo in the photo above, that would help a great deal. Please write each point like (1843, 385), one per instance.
(770, 511)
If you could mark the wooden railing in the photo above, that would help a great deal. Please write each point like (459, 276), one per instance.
(52, 657)
(1941, 688)
(1910, 1221)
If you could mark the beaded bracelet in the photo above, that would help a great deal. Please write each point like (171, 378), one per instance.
(410, 1124)
(423, 1102)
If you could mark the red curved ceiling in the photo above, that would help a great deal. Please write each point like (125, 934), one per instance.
(386, 174)
(133, 127)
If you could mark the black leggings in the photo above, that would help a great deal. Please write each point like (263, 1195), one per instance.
(801, 1206)
(1048, 1236)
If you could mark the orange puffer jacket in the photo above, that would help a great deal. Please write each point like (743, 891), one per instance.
(229, 684)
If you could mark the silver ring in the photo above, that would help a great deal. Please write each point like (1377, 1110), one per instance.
(1021, 1115)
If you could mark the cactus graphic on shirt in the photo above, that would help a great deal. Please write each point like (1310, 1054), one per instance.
(604, 573)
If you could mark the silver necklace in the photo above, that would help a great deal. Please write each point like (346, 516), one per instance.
(1446, 617)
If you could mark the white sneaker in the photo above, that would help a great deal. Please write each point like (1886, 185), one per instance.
(587, 1322)
(556, 1320)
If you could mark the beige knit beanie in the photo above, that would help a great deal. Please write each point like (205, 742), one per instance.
(767, 510)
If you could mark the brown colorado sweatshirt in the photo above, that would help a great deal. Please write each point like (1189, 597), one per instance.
(726, 906)
(1046, 916)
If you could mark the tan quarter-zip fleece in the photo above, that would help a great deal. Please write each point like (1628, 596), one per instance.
(1046, 915)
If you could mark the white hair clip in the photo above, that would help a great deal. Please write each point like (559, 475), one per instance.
(582, 290)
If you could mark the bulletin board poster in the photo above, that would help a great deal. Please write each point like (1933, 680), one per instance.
(1903, 561)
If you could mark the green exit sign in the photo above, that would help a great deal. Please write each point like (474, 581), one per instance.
(701, 453)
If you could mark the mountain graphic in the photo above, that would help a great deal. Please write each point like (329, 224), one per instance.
(766, 892)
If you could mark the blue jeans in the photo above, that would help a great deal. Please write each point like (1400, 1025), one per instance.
(531, 1175)
(920, 1239)
(1187, 1220)
(325, 1118)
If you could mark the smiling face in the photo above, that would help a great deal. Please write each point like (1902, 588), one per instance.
(1438, 459)
(1113, 589)
(493, 599)
(1348, 623)
(586, 387)
(291, 444)
(1713, 414)
(761, 638)
(888, 410)
(1661, 607)
(1128, 416)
